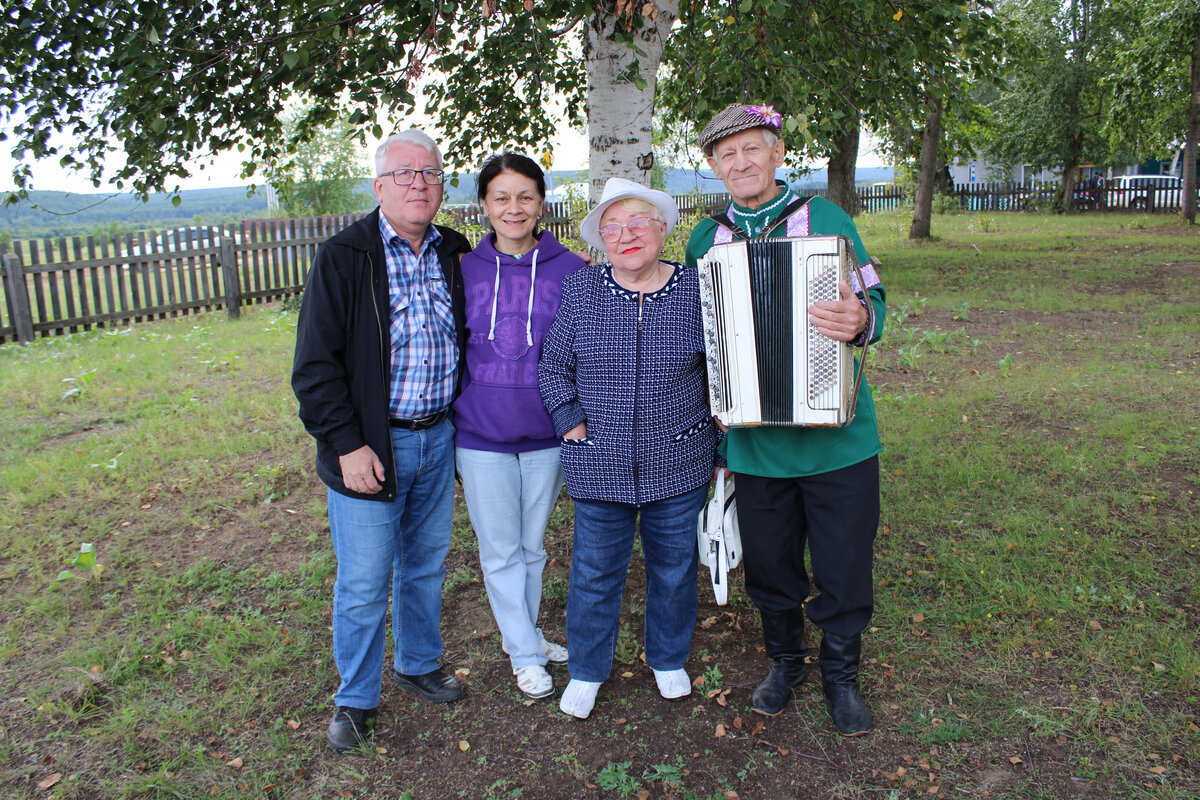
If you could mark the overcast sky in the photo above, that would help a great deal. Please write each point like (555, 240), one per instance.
(570, 153)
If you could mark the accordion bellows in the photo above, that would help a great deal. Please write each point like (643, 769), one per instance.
(767, 364)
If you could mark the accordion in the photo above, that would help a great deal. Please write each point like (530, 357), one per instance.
(767, 365)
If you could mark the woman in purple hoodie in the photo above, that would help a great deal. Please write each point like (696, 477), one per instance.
(506, 450)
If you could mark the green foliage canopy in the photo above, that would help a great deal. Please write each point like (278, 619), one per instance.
(325, 172)
(823, 65)
(162, 84)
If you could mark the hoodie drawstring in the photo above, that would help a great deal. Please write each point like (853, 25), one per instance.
(495, 300)
(529, 311)
(529, 308)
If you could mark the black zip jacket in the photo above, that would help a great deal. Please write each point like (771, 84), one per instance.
(342, 369)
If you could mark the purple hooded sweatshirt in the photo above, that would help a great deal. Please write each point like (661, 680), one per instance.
(510, 305)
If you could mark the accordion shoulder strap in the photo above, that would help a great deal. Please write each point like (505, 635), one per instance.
(723, 219)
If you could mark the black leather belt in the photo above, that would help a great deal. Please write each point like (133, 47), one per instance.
(421, 423)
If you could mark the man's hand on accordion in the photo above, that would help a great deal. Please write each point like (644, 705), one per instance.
(844, 319)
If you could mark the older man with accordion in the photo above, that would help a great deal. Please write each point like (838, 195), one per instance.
(799, 481)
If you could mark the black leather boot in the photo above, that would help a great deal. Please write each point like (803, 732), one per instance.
(839, 670)
(784, 637)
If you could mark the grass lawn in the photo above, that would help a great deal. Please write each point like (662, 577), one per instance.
(1038, 565)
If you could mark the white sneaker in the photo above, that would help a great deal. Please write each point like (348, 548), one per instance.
(554, 652)
(673, 684)
(534, 682)
(579, 698)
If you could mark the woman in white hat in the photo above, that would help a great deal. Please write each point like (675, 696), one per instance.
(622, 375)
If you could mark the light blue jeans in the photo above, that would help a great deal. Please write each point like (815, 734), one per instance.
(510, 497)
(399, 546)
(604, 534)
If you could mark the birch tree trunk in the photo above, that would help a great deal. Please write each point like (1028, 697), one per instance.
(931, 138)
(619, 113)
(842, 163)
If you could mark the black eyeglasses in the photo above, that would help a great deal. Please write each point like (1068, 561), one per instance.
(638, 226)
(405, 176)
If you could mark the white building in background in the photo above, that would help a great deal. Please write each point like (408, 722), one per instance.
(980, 170)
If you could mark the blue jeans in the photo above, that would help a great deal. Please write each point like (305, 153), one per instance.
(510, 497)
(399, 546)
(604, 534)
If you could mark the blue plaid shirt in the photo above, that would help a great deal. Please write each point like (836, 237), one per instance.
(424, 350)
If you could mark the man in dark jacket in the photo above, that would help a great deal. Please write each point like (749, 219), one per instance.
(378, 350)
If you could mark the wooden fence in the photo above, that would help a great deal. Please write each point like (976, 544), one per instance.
(57, 286)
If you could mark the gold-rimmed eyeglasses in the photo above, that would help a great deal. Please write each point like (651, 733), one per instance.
(405, 176)
(638, 226)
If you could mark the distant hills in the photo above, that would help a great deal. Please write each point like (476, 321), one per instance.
(47, 213)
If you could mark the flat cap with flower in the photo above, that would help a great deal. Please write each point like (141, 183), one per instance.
(736, 118)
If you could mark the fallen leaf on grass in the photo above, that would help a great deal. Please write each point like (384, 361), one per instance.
(1015, 760)
(708, 622)
(731, 795)
(918, 618)
(643, 794)
(293, 724)
(1193, 727)
(783, 751)
(49, 780)
(720, 730)
(737, 723)
(1158, 770)
(464, 745)
(1094, 624)
(461, 673)
(236, 763)
(698, 681)
(758, 726)
(1159, 667)
(626, 674)
(381, 750)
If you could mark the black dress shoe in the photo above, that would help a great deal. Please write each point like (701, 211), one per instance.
(349, 728)
(436, 686)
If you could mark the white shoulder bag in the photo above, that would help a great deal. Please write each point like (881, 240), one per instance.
(718, 538)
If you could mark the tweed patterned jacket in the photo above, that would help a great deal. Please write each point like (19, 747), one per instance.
(636, 377)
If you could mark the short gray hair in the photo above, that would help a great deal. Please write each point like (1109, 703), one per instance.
(413, 136)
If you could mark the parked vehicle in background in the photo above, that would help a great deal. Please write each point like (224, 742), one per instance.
(1145, 192)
